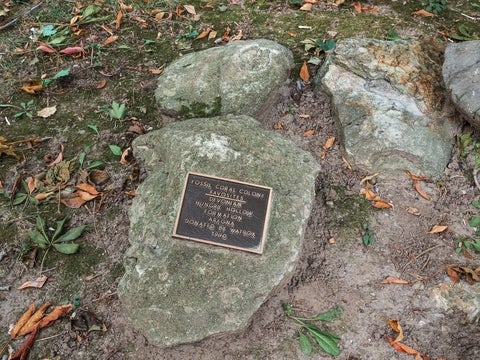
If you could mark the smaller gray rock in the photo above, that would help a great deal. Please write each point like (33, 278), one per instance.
(384, 98)
(240, 78)
(461, 74)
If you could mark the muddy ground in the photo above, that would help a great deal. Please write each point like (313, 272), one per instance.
(335, 268)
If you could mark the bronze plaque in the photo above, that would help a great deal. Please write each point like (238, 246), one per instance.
(223, 212)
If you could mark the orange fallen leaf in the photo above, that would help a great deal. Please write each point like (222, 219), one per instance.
(22, 321)
(102, 83)
(304, 74)
(394, 280)
(118, 20)
(130, 192)
(437, 229)
(33, 321)
(57, 313)
(420, 191)
(309, 133)
(382, 204)
(370, 195)
(370, 9)
(126, 156)
(237, 37)
(422, 13)
(30, 184)
(278, 126)
(125, 7)
(292, 34)
(203, 34)
(416, 177)
(37, 283)
(395, 325)
(357, 7)
(110, 40)
(43, 196)
(452, 274)
(400, 347)
(85, 195)
(32, 87)
(72, 201)
(226, 34)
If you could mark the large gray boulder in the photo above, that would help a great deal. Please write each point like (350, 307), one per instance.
(461, 73)
(240, 78)
(385, 98)
(178, 291)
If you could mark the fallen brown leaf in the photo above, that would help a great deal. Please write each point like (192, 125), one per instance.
(237, 37)
(309, 133)
(32, 87)
(203, 34)
(72, 200)
(190, 9)
(394, 280)
(420, 191)
(304, 74)
(422, 13)
(32, 323)
(370, 195)
(329, 142)
(57, 313)
(413, 211)
(453, 275)
(59, 157)
(101, 84)
(118, 20)
(437, 229)
(22, 352)
(382, 204)
(400, 347)
(37, 283)
(110, 40)
(395, 325)
(278, 126)
(88, 188)
(416, 177)
(22, 321)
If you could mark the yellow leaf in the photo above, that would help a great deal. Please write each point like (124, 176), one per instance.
(47, 112)
(304, 74)
(438, 229)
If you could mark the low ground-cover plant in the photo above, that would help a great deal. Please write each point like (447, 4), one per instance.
(60, 242)
(308, 331)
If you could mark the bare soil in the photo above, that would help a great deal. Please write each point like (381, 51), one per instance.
(335, 268)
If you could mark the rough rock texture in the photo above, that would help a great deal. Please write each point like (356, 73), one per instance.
(239, 78)
(385, 97)
(177, 291)
(461, 74)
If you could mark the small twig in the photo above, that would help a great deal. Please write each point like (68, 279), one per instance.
(50, 337)
(420, 255)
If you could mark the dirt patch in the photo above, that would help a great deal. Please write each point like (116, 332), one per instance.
(341, 272)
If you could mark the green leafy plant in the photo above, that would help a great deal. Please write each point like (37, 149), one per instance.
(58, 75)
(317, 46)
(327, 341)
(368, 236)
(434, 6)
(471, 243)
(24, 196)
(117, 111)
(25, 108)
(60, 242)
